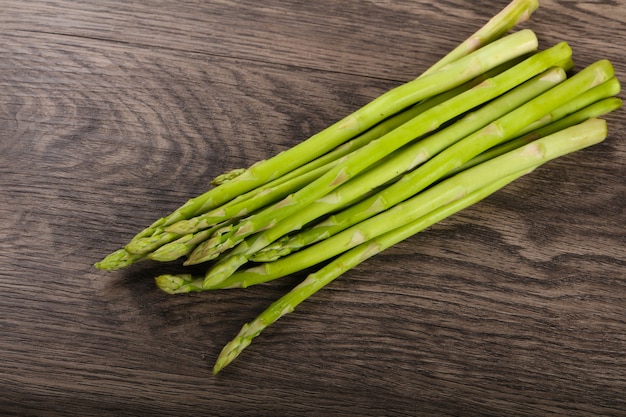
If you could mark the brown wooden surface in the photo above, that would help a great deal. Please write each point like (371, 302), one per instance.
(113, 113)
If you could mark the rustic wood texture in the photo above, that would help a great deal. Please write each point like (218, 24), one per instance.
(113, 113)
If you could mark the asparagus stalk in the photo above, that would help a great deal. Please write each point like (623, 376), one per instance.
(515, 13)
(604, 90)
(395, 216)
(368, 155)
(419, 152)
(326, 161)
(561, 118)
(262, 172)
(595, 110)
(402, 160)
(526, 159)
(388, 104)
(184, 244)
(119, 259)
(180, 238)
(461, 152)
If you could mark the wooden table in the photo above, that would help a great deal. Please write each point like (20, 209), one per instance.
(113, 113)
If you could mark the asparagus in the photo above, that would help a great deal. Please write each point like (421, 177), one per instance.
(430, 120)
(180, 238)
(402, 160)
(461, 152)
(184, 244)
(604, 90)
(238, 182)
(595, 110)
(561, 117)
(231, 210)
(524, 160)
(245, 180)
(346, 128)
(387, 171)
(515, 13)
(119, 259)
(208, 219)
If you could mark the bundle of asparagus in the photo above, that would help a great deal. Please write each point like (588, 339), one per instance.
(490, 111)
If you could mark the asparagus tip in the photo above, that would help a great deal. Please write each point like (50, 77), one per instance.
(117, 260)
(172, 284)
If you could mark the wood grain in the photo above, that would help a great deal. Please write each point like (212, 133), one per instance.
(114, 113)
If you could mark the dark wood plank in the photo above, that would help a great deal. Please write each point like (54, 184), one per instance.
(114, 113)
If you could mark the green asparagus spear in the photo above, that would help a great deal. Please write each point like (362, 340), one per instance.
(526, 158)
(594, 110)
(408, 158)
(607, 89)
(401, 161)
(422, 203)
(368, 155)
(515, 13)
(458, 154)
(184, 244)
(561, 117)
(119, 259)
(260, 173)
(388, 104)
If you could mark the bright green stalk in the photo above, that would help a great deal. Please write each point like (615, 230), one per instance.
(515, 13)
(368, 155)
(173, 243)
(401, 161)
(597, 109)
(180, 247)
(565, 142)
(561, 117)
(184, 245)
(205, 220)
(461, 152)
(607, 89)
(185, 283)
(227, 176)
(421, 204)
(388, 104)
(405, 159)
